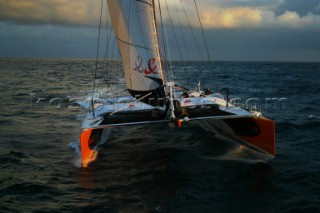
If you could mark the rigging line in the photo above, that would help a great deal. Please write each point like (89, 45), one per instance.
(113, 55)
(175, 36)
(97, 59)
(108, 33)
(165, 37)
(109, 55)
(107, 76)
(107, 45)
(112, 52)
(113, 64)
(180, 29)
(128, 21)
(107, 69)
(183, 43)
(202, 31)
(204, 39)
(142, 37)
(109, 64)
(192, 32)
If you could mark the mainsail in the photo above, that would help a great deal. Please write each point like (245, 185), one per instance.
(134, 26)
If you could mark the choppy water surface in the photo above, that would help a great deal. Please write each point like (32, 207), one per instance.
(155, 169)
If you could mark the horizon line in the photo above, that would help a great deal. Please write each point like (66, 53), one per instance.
(101, 59)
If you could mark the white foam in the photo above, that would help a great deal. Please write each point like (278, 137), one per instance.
(313, 117)
(76, 161)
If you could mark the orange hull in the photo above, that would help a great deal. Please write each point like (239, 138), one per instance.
(88, 154)
(266, 140)
(257, 131)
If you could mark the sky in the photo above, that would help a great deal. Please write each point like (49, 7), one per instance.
(235, 30)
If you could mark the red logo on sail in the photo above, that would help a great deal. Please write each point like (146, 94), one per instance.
(151, 67)
(139, 65)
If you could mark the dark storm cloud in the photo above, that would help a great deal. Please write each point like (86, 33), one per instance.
(301, 7)
(47, 41)
(249, 44)
(265, 45)
(235, 29)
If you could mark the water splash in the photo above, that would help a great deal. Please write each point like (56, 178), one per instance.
(76, 161)
(242, 154)
(313, 117)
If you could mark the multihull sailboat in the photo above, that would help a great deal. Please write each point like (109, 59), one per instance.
(156, 99)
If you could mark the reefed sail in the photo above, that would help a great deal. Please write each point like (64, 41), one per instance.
(134, 26)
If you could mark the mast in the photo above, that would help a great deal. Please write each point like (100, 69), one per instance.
(157, 41)
(134, 25)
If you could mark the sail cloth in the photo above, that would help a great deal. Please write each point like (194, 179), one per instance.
(133, 23)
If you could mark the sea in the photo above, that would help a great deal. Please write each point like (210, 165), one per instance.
(156, 168)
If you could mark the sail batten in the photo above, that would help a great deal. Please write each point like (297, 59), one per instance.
(135, 29)
(141, 1)
(134, 45)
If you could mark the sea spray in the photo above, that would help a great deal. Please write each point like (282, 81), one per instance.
(76, 161)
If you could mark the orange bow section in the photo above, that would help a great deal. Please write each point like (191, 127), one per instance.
(88, 155)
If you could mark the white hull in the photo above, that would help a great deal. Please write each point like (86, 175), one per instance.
(211, 112)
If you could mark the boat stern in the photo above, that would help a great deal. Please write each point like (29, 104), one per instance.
(266, 139)
(257, 131)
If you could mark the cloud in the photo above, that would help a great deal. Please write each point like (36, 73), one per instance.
(270, 4)
(61, 12)
(230, 14)
(235, 14)
(216, 16)
(231, 17)
(294, 20)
